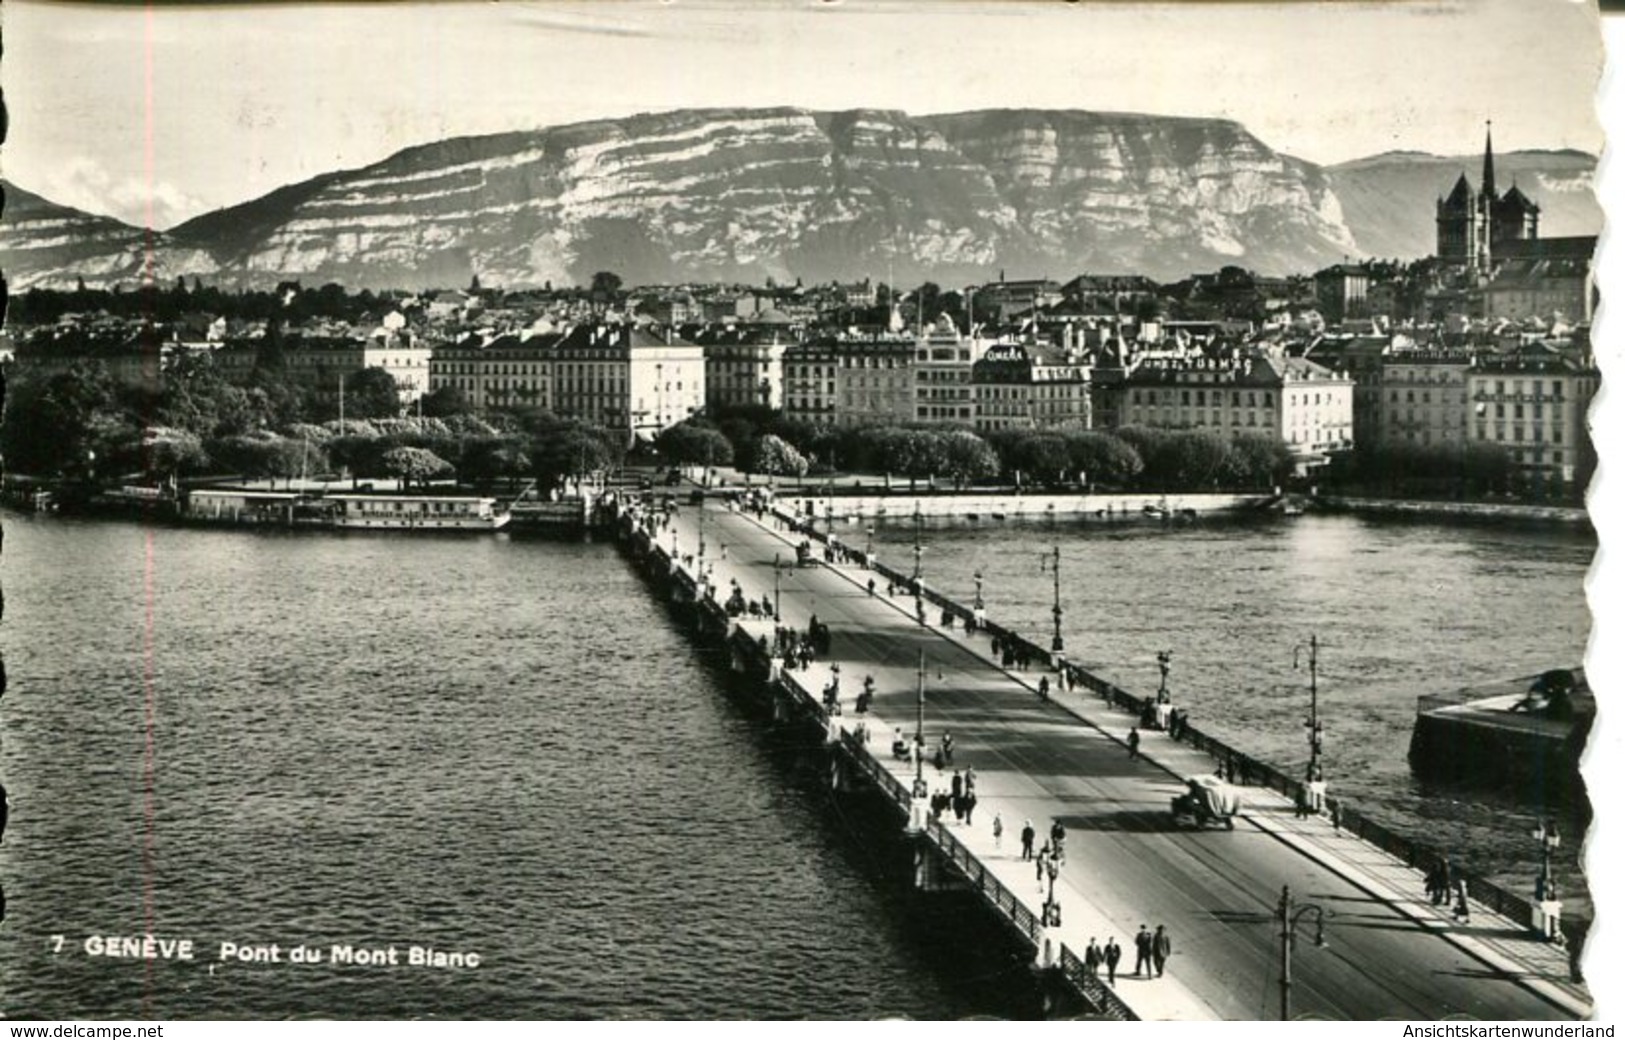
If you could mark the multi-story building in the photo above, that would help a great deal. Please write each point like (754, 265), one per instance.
(633, 378)
(809, 382)
(1305, 405)
(505, 372)
(403, 356)
(874, 380)
(943, 361)
(1534, 406)
(1361, 358)
(1423, 396)
(744, 366)
(1543, 278)
(1026, 385)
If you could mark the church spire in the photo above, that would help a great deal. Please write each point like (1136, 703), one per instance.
(1489, 164)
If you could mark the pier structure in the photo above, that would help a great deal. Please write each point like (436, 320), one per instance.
(1064, 760)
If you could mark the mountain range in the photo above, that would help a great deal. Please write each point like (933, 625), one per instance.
(744, 194)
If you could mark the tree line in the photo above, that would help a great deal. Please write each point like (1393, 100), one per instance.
(82, 424)
(1131, 458)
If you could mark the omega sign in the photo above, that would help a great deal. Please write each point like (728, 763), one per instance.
(1005, 353)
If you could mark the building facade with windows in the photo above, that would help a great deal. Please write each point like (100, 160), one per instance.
(505, 372)
(874, 380)
(1030, 385)
(809, 382)
(639, 379)
(1535, 408)
(1305, 405)
(1423, 397)
(744, 367)
(943, 362)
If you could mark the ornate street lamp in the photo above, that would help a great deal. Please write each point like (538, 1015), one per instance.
(1052, 563)
(1289, 918)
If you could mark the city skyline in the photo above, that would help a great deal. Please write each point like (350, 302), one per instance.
(159, 129)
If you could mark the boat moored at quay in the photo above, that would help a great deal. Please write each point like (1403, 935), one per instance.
(345, 510)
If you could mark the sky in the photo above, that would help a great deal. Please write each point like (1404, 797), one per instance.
(155, 115)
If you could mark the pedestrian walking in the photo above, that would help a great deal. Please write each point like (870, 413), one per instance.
(1134, 742)
(958, 784)
(1093, 957)
(1114, 953)
(1027, 836)
(1462, 914)
(970, 806)
(998, 832)
(970, 780)
(1162, 947)
(947, 743)
(1142, 951)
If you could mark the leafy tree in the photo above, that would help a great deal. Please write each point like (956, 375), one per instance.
(414, 465)
(487, 459)
(1040, 456)
(50, 425)
(967, 457)
(172, 451)
(447, 401)
(693, 444)
(1195, 460)
(372, 394)
(264, 454)
(1255, 459)
(776, 457)
(571, 451)
(1100, 458)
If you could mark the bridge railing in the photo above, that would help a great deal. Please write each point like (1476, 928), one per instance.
(1253, 771)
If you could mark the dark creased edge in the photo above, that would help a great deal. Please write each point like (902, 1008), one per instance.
(5, 123)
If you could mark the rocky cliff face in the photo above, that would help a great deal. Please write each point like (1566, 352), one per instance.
(45, 243)
(740, 194)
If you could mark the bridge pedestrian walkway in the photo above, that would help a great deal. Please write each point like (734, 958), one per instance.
(1015, 748)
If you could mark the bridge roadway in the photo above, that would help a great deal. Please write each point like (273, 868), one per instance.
(1389, 954)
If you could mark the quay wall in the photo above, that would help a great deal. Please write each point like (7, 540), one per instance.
(1005, 505)
(1252, 771)
(1503, 511)
(748, 654)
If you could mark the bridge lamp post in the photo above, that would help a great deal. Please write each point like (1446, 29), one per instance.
(1312, 723)
(1057, 643)
(1550, 841)
(919, 550)
(776, 572)
(1289, 918)
(919, 729)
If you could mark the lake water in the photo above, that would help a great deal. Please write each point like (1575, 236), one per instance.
(1400, 608)
(486, 745)
(506, 747)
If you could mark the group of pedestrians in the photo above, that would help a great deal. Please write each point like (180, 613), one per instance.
(1012, 653)
(1445, 887)
(1151, 951)
(960, 799)
(1096, 956)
